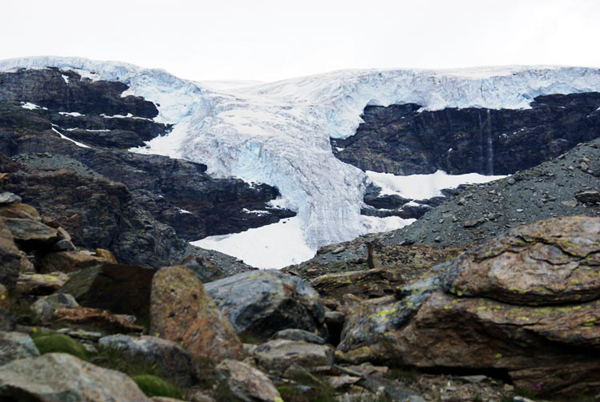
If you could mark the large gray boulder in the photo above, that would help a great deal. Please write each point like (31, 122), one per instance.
(246, 382)
(58, 377)
(16, 345)
(262, 303)
(278, 355)
(167, 355)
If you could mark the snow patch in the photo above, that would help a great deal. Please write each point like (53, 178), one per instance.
(182, 211)
(257, 212)
(66, 78)
(32, 106)
(273, 246)
(424, 186)
(79, 144)
(72, 114)
(88, 130)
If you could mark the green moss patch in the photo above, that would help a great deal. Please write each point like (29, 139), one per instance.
(58, 343)
(154, 386)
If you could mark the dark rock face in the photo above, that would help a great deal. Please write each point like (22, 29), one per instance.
(141, 207)
(123, 289)
(400, 140)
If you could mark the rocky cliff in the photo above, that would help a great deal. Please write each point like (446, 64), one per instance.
(403, 139)
(70, 136)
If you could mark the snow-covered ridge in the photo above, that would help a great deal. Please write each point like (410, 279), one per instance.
(278, 133)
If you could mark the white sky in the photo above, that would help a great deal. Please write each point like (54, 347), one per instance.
(276, 39)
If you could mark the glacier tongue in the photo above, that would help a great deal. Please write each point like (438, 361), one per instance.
(278, 133)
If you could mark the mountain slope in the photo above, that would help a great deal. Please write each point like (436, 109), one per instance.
(279, 133)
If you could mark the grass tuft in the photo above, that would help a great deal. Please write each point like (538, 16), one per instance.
(154, 386)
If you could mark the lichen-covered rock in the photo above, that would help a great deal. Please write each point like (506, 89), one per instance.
(44, 307)
(18, 210)
(168, 355)
(96, 318)
(527, 304)
(278, 355)
(263, 302)
(246, 382)
(556, 261)
(182, 311)
(9, 198)
(66, 261)
(16, 345)
(31, 233)
(10, 257)
(371, 283)
(58, 377)
(122, 289)
(40, 284)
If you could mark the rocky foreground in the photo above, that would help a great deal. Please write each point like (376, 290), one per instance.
(513, 317)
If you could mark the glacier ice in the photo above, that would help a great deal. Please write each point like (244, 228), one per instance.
(278, 133)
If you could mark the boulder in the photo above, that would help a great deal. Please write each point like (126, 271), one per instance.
(32, 234)
(205, 269)
(262, 303)
(182, 311)
(246, 382)
(367, 284)
(10, 257)
(66, 261)
(300, 336)
(58, 377)
(18, 210)
(44, 307)
(526, 304)
(123, 289)
(96, 318)
(278, 355)
(106, 255)
(9, 198)
(168, 355)
(40, 284)
(16, 345)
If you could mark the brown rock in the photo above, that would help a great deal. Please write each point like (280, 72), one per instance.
(549, 262)
(10, 257)
(31, 234)
(123, 289)
(526, 304)
(182, 311)
(278, 355)
(367, 284)
(40, 284)
(96, 318)
(19, 210)
(66, 261)
(106, 255)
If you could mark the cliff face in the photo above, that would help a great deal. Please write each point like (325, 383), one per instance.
(109, 197)
(401, 140)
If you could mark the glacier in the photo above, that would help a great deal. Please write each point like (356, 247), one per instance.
(278, 133)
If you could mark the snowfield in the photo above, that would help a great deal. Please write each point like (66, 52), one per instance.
(278, 133)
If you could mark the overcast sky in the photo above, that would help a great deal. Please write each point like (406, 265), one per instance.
(275, 39)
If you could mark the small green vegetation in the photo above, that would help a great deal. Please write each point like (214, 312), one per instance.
(154, 386)
(116, 359)
(400, 374)
(58, 343)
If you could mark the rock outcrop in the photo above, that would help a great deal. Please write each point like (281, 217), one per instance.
(183, 311)
(123, 289)
(262, 303)
(15, 346)
(525, 305)
(403, 140)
